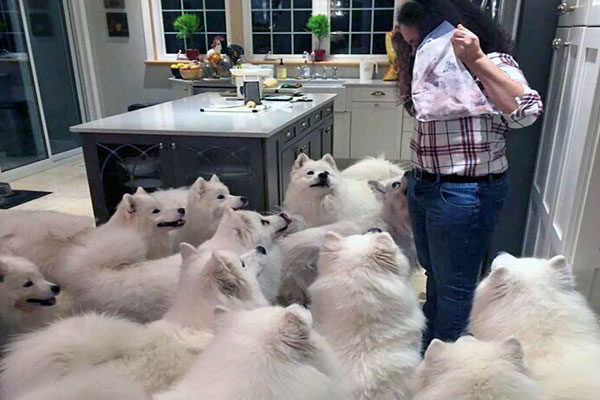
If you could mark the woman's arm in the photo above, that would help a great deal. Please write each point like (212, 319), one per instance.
(499, 87)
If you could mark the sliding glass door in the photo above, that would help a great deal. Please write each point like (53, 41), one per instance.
(22, 139)
(38, 91)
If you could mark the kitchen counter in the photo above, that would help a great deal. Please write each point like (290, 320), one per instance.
(174, 143)
(183, 118)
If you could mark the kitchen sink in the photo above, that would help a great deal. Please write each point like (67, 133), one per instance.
(315, 82)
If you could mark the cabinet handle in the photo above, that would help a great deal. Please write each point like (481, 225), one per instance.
(317, 116)
(173, 145)
(376, 104)
(558, 44)
(304, 124)
(378, 93)
(564, 8)
(288, 134)
(328, 110)
(161, 146)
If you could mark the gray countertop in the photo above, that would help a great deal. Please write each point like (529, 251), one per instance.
(183, 118)
(226, 82)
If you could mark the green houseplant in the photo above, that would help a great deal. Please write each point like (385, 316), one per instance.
(319, 26)
(186, 25)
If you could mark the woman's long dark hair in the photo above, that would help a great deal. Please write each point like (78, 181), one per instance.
(425, 16)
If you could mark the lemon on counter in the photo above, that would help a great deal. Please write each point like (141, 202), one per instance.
(271, 83)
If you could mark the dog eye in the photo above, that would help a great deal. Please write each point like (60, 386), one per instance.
(156, 211)
(28, 284)
(265, 222)
(395, 185)
(310, 173)
(243, 264)
(220, 197)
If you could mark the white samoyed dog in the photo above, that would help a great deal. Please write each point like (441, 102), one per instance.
(364, 304)
(206, 200)
(269, 353)
(470, 369)
(535, 300)
(154, 355)
(27, 299)
(321, 195)
(138, 222)
(300, 250)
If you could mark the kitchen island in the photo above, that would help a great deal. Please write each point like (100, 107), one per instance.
(171, 144)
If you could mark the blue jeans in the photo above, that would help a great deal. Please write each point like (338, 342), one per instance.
(452, 225)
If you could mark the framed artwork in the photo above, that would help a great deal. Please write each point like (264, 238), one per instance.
(114, 3)
(117, 24)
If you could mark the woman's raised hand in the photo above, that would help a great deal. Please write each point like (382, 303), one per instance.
(466, 45)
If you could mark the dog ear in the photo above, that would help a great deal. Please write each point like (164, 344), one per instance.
(513, 351)
(377, 188)
(227, 282)
(187, 250)
(300, 161)
(384, 241)
(562, 271)
(199, 187)
(215, 178)
(332, 241)
(129, 203)
(295, 327)
(328, 158)
(140, 190)
(434, 350)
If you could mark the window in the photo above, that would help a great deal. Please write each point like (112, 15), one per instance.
(359, 26)
(279, 26)
(212, 17)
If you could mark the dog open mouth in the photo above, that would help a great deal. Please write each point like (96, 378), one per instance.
(320, 184)
(172, 224)
(42, 302)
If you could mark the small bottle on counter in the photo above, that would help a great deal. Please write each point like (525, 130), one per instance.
(281, 70)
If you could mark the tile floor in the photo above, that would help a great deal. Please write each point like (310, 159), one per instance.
(69, 187)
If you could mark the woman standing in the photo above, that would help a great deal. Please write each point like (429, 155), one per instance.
(458, 182)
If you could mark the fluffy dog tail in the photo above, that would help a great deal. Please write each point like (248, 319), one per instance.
(96, 384)
(42, 357)
(372, 168)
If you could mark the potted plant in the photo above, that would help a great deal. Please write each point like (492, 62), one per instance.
(319, 26)
(186, 25)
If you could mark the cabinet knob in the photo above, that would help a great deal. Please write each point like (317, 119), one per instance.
(304, 124)
(173, 145)
(317, 116)
(288, 134)
(378, 93)
(376, 104)
(558, 44)
(564, 8)
(161, 146)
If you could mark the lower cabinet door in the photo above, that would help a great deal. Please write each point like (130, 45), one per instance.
(236, 161)
(309, 145)
(376, 130)
(327, 138)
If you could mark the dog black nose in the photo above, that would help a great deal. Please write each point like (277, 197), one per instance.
(374, 230)
(181, 211)
(286, 218)
(323, 175)
(244, 201)
(261, 250)
(55, 289)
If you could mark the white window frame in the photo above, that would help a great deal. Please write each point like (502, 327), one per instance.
(154, 34)
(319, 7)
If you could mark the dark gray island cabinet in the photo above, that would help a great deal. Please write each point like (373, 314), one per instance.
(172, 144)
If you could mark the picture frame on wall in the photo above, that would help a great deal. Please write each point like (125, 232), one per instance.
(114, 3)
(117, 24)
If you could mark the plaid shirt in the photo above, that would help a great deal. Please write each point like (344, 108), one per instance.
(474, 146)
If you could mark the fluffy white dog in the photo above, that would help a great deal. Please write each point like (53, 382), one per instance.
(535, 300)
(269, 353)
(321, 195)
(27, 300)
(154, 355)
(205, 203)
(474, 370)
(365, 306)
(137, 222)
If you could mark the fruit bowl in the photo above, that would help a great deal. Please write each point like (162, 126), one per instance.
(191, 73)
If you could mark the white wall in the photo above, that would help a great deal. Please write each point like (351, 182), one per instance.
(122, 76)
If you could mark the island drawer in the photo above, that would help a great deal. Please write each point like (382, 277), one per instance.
(315, 118)
(289, 133)
(303, 125)
(328, 110)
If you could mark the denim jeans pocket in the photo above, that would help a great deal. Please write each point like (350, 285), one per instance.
(465, 195)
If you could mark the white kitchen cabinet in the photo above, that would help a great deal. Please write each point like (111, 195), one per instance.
(376, 129)
(593, 13)
(341, 135)
(573, 12)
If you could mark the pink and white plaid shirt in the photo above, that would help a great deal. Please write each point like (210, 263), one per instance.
(474, 146)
